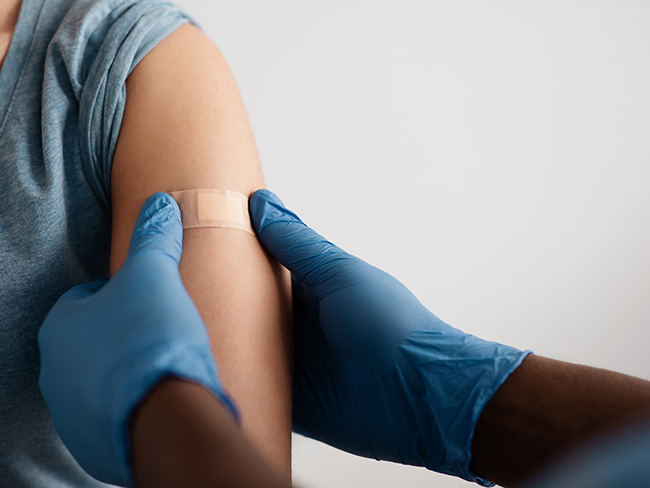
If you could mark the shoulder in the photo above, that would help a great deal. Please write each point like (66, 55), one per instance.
(97, 38)
(93, 51)
(186, 59)
(184, 109)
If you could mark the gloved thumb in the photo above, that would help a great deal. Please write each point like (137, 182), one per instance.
(83, 291)
(158, 229)
(299, 248)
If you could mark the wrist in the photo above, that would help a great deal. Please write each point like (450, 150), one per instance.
(134, 382)
(182, 435)
(168, 439)
(547, 408)
(456, 375)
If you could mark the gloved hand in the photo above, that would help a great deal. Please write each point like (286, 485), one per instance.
(106, 344)
(376, 373)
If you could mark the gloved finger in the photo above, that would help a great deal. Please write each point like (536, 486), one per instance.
(69, 301)
(79, 292)
(158, 228)
(85, 290)
(296, 246)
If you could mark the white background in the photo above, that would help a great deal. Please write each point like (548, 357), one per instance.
(491, 155)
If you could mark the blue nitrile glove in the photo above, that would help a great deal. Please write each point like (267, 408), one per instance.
(376, 373)
(106, 344)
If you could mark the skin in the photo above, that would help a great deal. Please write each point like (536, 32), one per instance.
(182, 436)
(9, 11)
(544, 410)
(547, 408)
(185, 127)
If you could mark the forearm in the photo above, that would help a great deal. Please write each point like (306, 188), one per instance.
(183, 436)
(546, 408)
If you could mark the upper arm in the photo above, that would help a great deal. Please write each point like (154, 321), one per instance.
(185, 127)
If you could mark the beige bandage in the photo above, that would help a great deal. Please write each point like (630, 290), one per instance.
(213, 208)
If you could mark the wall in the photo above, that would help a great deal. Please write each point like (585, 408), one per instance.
(491, 155)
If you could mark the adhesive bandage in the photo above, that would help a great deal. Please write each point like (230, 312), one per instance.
(213, 208)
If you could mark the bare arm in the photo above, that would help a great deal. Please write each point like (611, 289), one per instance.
(546, 408)
(183, 436)
(185, 127)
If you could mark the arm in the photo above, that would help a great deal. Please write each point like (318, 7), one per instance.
(149, 375)
(546, 408)
(380, 376)
(183, 436)
(185, 127)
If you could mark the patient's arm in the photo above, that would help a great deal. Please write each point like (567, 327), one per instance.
(185, 127)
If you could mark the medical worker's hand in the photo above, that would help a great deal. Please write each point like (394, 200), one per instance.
(106, 344)
(376, 373)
